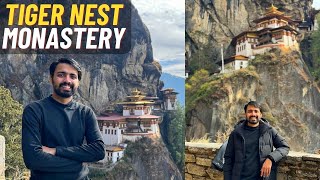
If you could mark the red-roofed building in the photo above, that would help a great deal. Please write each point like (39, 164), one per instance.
(135, 121)
(273, 30)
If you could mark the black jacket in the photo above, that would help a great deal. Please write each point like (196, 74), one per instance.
(269, 138)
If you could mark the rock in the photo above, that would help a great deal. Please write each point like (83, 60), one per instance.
(107, 78)
(196, 170)
(284, 86)
(190, 158)
(137, 163)
(210, 23)
(203, 161)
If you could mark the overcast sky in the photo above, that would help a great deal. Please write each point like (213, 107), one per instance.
(166, 22)
(316, 4)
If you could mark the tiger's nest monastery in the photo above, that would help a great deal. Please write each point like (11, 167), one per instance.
(273, 30)
(137, 120)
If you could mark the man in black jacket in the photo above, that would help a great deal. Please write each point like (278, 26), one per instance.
(55, 128)
(249, 154)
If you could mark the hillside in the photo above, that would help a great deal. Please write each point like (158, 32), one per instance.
(281, 82)
(147, 158)
(280, 79)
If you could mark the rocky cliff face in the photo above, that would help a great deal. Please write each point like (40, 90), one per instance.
(107, 78)
(144, 159)
(283, 85)
(212, 22)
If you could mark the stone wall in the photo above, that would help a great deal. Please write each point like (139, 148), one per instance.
(296, 166)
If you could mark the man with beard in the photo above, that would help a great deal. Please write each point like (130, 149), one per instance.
(59, 134)
(249, 154)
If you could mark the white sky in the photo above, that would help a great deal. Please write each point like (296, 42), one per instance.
(165, 20)
(316, 4)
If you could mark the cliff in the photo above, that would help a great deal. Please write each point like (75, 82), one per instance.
(210, 23)
(107, 78)
(146, 159)
(279, 80)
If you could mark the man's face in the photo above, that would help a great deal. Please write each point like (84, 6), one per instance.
(253, 114)
(65, 80)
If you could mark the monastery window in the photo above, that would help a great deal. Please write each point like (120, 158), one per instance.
(115, 132)
(105, 131)
(131, 111)
(108, 131)
(112, 131)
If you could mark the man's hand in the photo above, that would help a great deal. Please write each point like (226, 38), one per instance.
(49, 150)
(266, 168)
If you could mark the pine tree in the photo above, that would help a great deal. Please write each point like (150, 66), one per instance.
(176, 134)
(10, 124)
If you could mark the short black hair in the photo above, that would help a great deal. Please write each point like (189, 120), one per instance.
(252, 103)
(72, 62)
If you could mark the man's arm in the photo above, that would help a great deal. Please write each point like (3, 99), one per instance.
(34, 156)
(229, 158)
(282, 147)
(92, 151)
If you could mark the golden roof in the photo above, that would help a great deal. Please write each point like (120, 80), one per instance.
(273, 10)
(136, 102)
(240, 57)
(137, 98)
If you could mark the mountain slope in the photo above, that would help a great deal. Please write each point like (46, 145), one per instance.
(281, 82)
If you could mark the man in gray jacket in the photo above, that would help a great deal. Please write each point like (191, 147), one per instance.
(249, 154)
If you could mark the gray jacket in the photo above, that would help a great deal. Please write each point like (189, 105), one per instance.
(269, 138)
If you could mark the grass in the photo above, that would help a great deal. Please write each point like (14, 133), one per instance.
(204, 139)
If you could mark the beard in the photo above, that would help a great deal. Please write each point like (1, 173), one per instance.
(65, 93)
(253, 120)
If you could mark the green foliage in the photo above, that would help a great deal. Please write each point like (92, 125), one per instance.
(204, 58)
(97, 174)
(175, 137)
(315, 52)
(204, 88)
(195, 87)
(10, 123)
